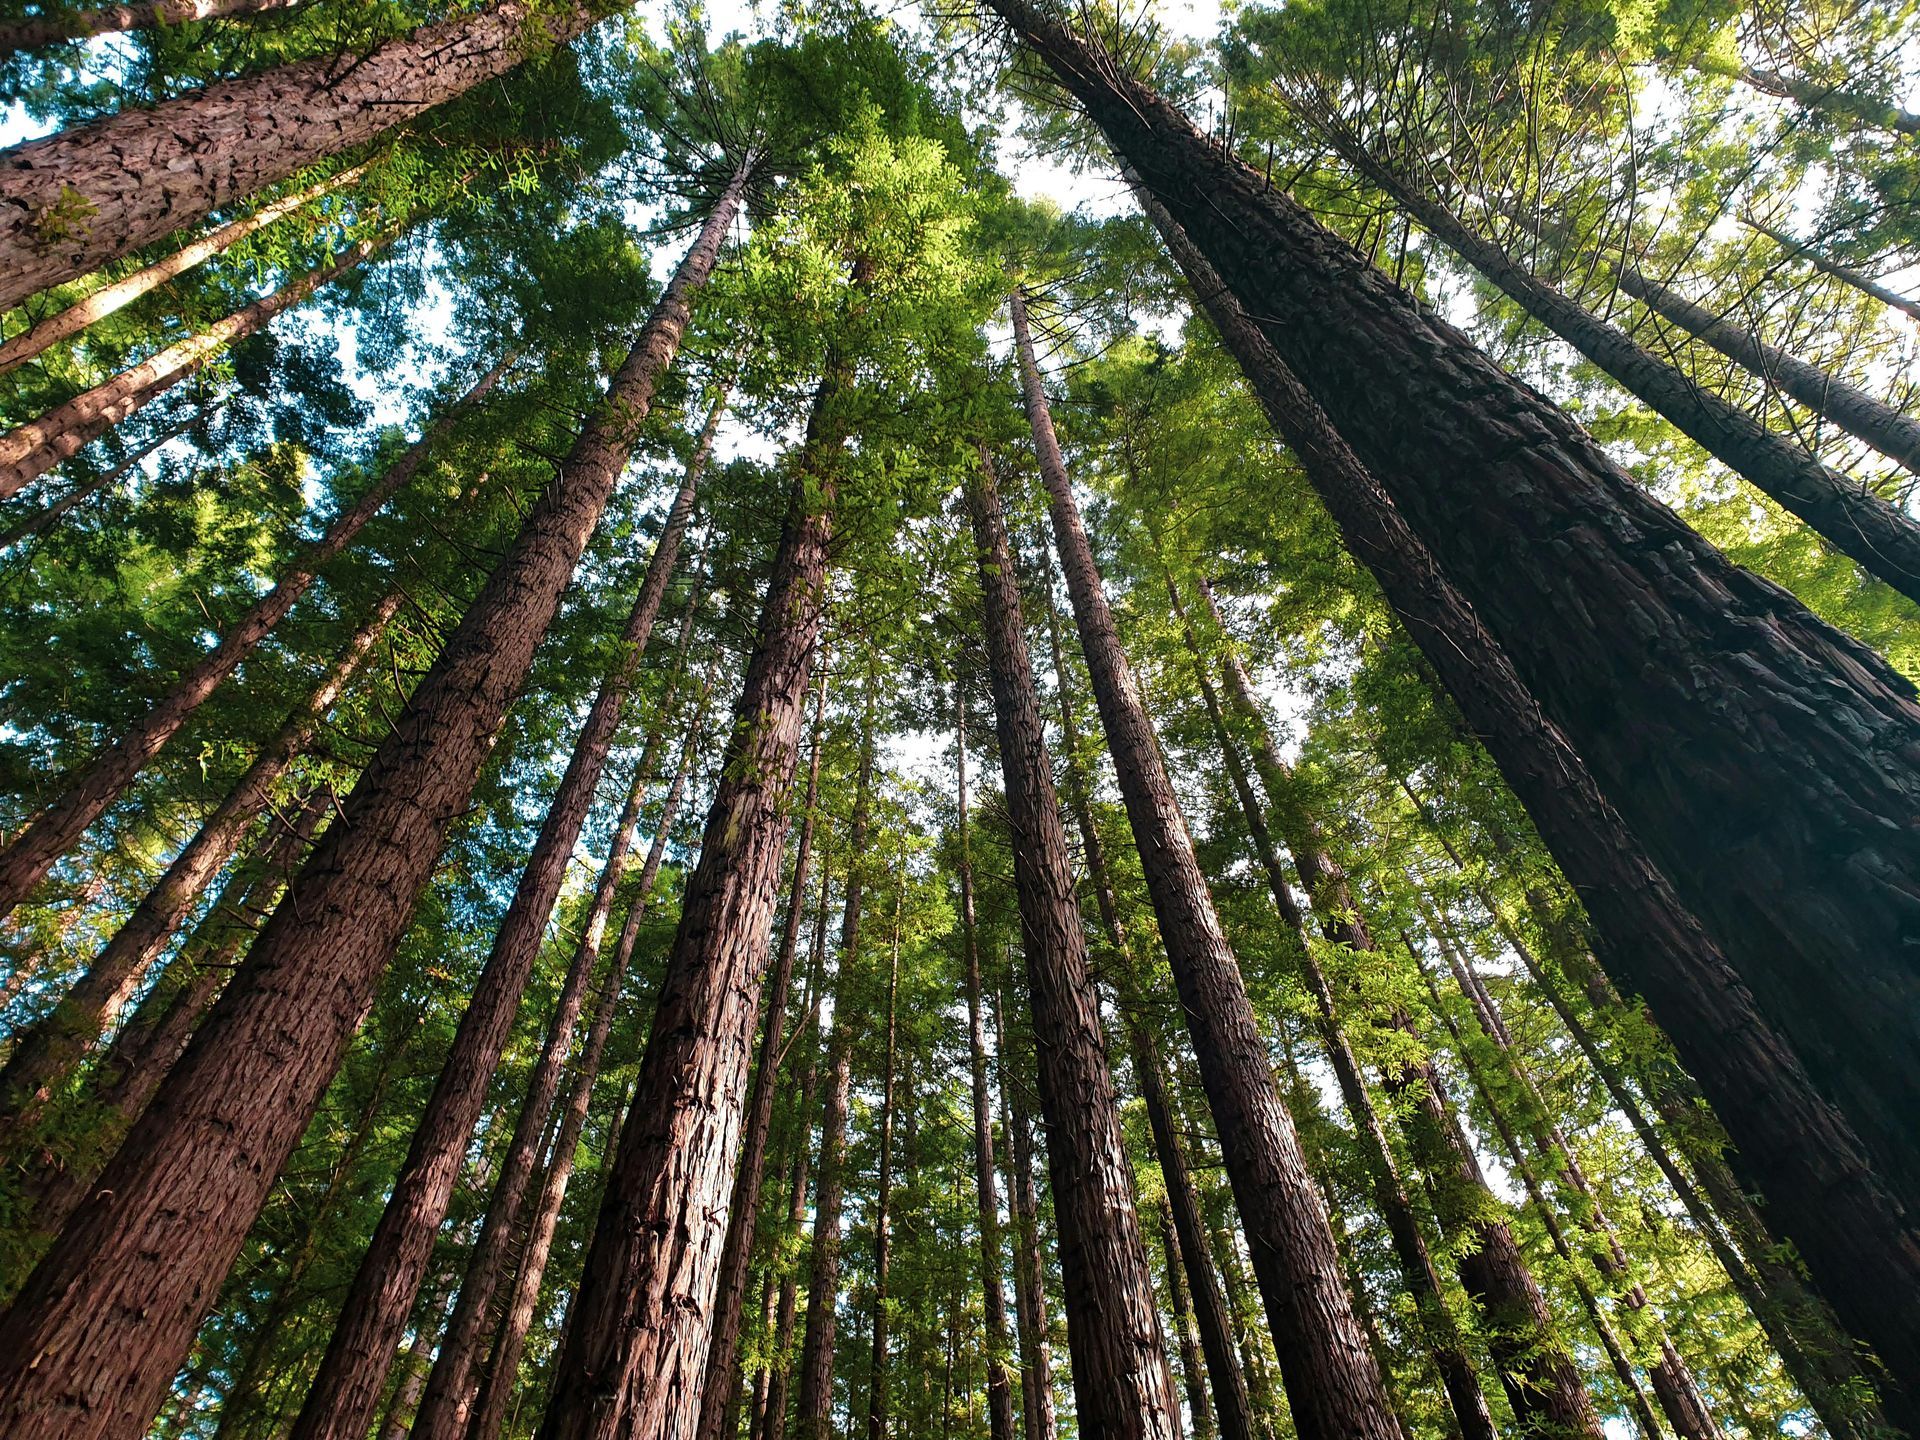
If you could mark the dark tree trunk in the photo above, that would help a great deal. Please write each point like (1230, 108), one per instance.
(84, 797)
(45, 1053)
(1192, 1370)
(1120, 1376)
(1794, 1143)
(124, 1287)
(143, 173)
(636, 1345)
(1029, 1273)
(1333, 1385)
(489, 1410)
(744, 1208)
(986, 1186)
(877, 1397)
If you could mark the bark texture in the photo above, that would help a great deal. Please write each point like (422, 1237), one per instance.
(118, 1297)
(1029, 1273)
(37, 31)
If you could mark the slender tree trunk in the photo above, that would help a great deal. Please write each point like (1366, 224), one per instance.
(42, 335)
(37, 522)
(985, 1186)
(1846, 274)
(38, 31)
(744, 1207)
(1333, 1386)
(1792, 1139)
(1120, 1377)
(31, 449)
(1192, 1371)
(877, 1398)
(1832, 101)
(489, 1409)
(1029, 1274)
(85, 796)
(74, 201)
(123, 1289)
(636, 1344)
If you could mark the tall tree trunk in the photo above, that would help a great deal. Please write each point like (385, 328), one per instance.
(1029, 1273)
(1826, 265)
(1792, 1139)
(877, 1397)
(1120, 1377)
(74, 201)
(1192, 1370)
(1788, 833)
(744, 1207)
(42, 335)
(123, 1289)
(637, 1339)
(1333, 1385)
(38, 31)
(985, 1185)
(489, 1409)
(79, 495)
(1832, 102)
(84, 797)
(346, 1391)
(48, 1051)
(34, 447)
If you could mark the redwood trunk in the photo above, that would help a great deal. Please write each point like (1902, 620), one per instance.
(1846, 274)
(106, 479)
(877, 1398)
(1794, 1144)
(74, 201)
(1120, 1376)
(123, 1289)
(637, 1339)
(38, 31)
(57, 827)
(1333, 1385)
(1029, 1273)
(1192, 1371)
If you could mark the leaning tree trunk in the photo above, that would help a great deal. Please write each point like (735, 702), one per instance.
(31, 449)
(124, 1287)
(744, 1207)
(57, 826)
(74, 201)
(636, 1344)
(37, 31)
(42, 335)
(1833, 102)
(1791, 1138)
(1333, 1385)
(1029, 1272)
(1845, 274)
(81, 493)
(1789, 833)
(46, 1052)
(1120, 1377)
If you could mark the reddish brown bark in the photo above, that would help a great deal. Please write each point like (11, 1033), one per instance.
(122, 1290)
(76, 200)
(744, 1207)
(58, 825)
(636, 1345)
(31, 449)
(1192, 1371)
(877, 1396)
(37, 31)
(1029, 1273)
(1120, 1376)
(106, 479)
(1333, 1385)
(1794, 1144)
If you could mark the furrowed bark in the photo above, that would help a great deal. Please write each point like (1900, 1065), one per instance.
(1795, 1144)
(72, 202)
(58, 825)
(29, 450)
(1333, 1385)
(37, 31)
(1120, 1376)
(121, 1292)
(1029, 1274)
(636, 1345)
(42, 335)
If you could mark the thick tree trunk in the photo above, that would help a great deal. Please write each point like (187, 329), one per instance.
(38, 31)
(42, 335)
(1846, 274)
(1333, 1384)
(346, 1391)
(46, 1053)
(1192, 1370)
(881, 1336)
(636, 1345)
(1120, 1376)
(84, 797)
(1794, 1144)
(1029, 1273)
(744, 1208)
(985, 1184)
(74, 201)
(123, 1289)
(31, 449)
(37, 522)
(489, 1409)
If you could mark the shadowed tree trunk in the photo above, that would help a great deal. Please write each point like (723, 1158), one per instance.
(637, 1339)
(1333, 1385)
(79, 495)
(1192, 1371)
(744, 1207)
(877, 1397)
(31, 449)
(124, 1287)
(1029, 1273)
(1793, 1141)
(46, 1053)
(74, 201)
(84, 797)
(1120, 1378)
